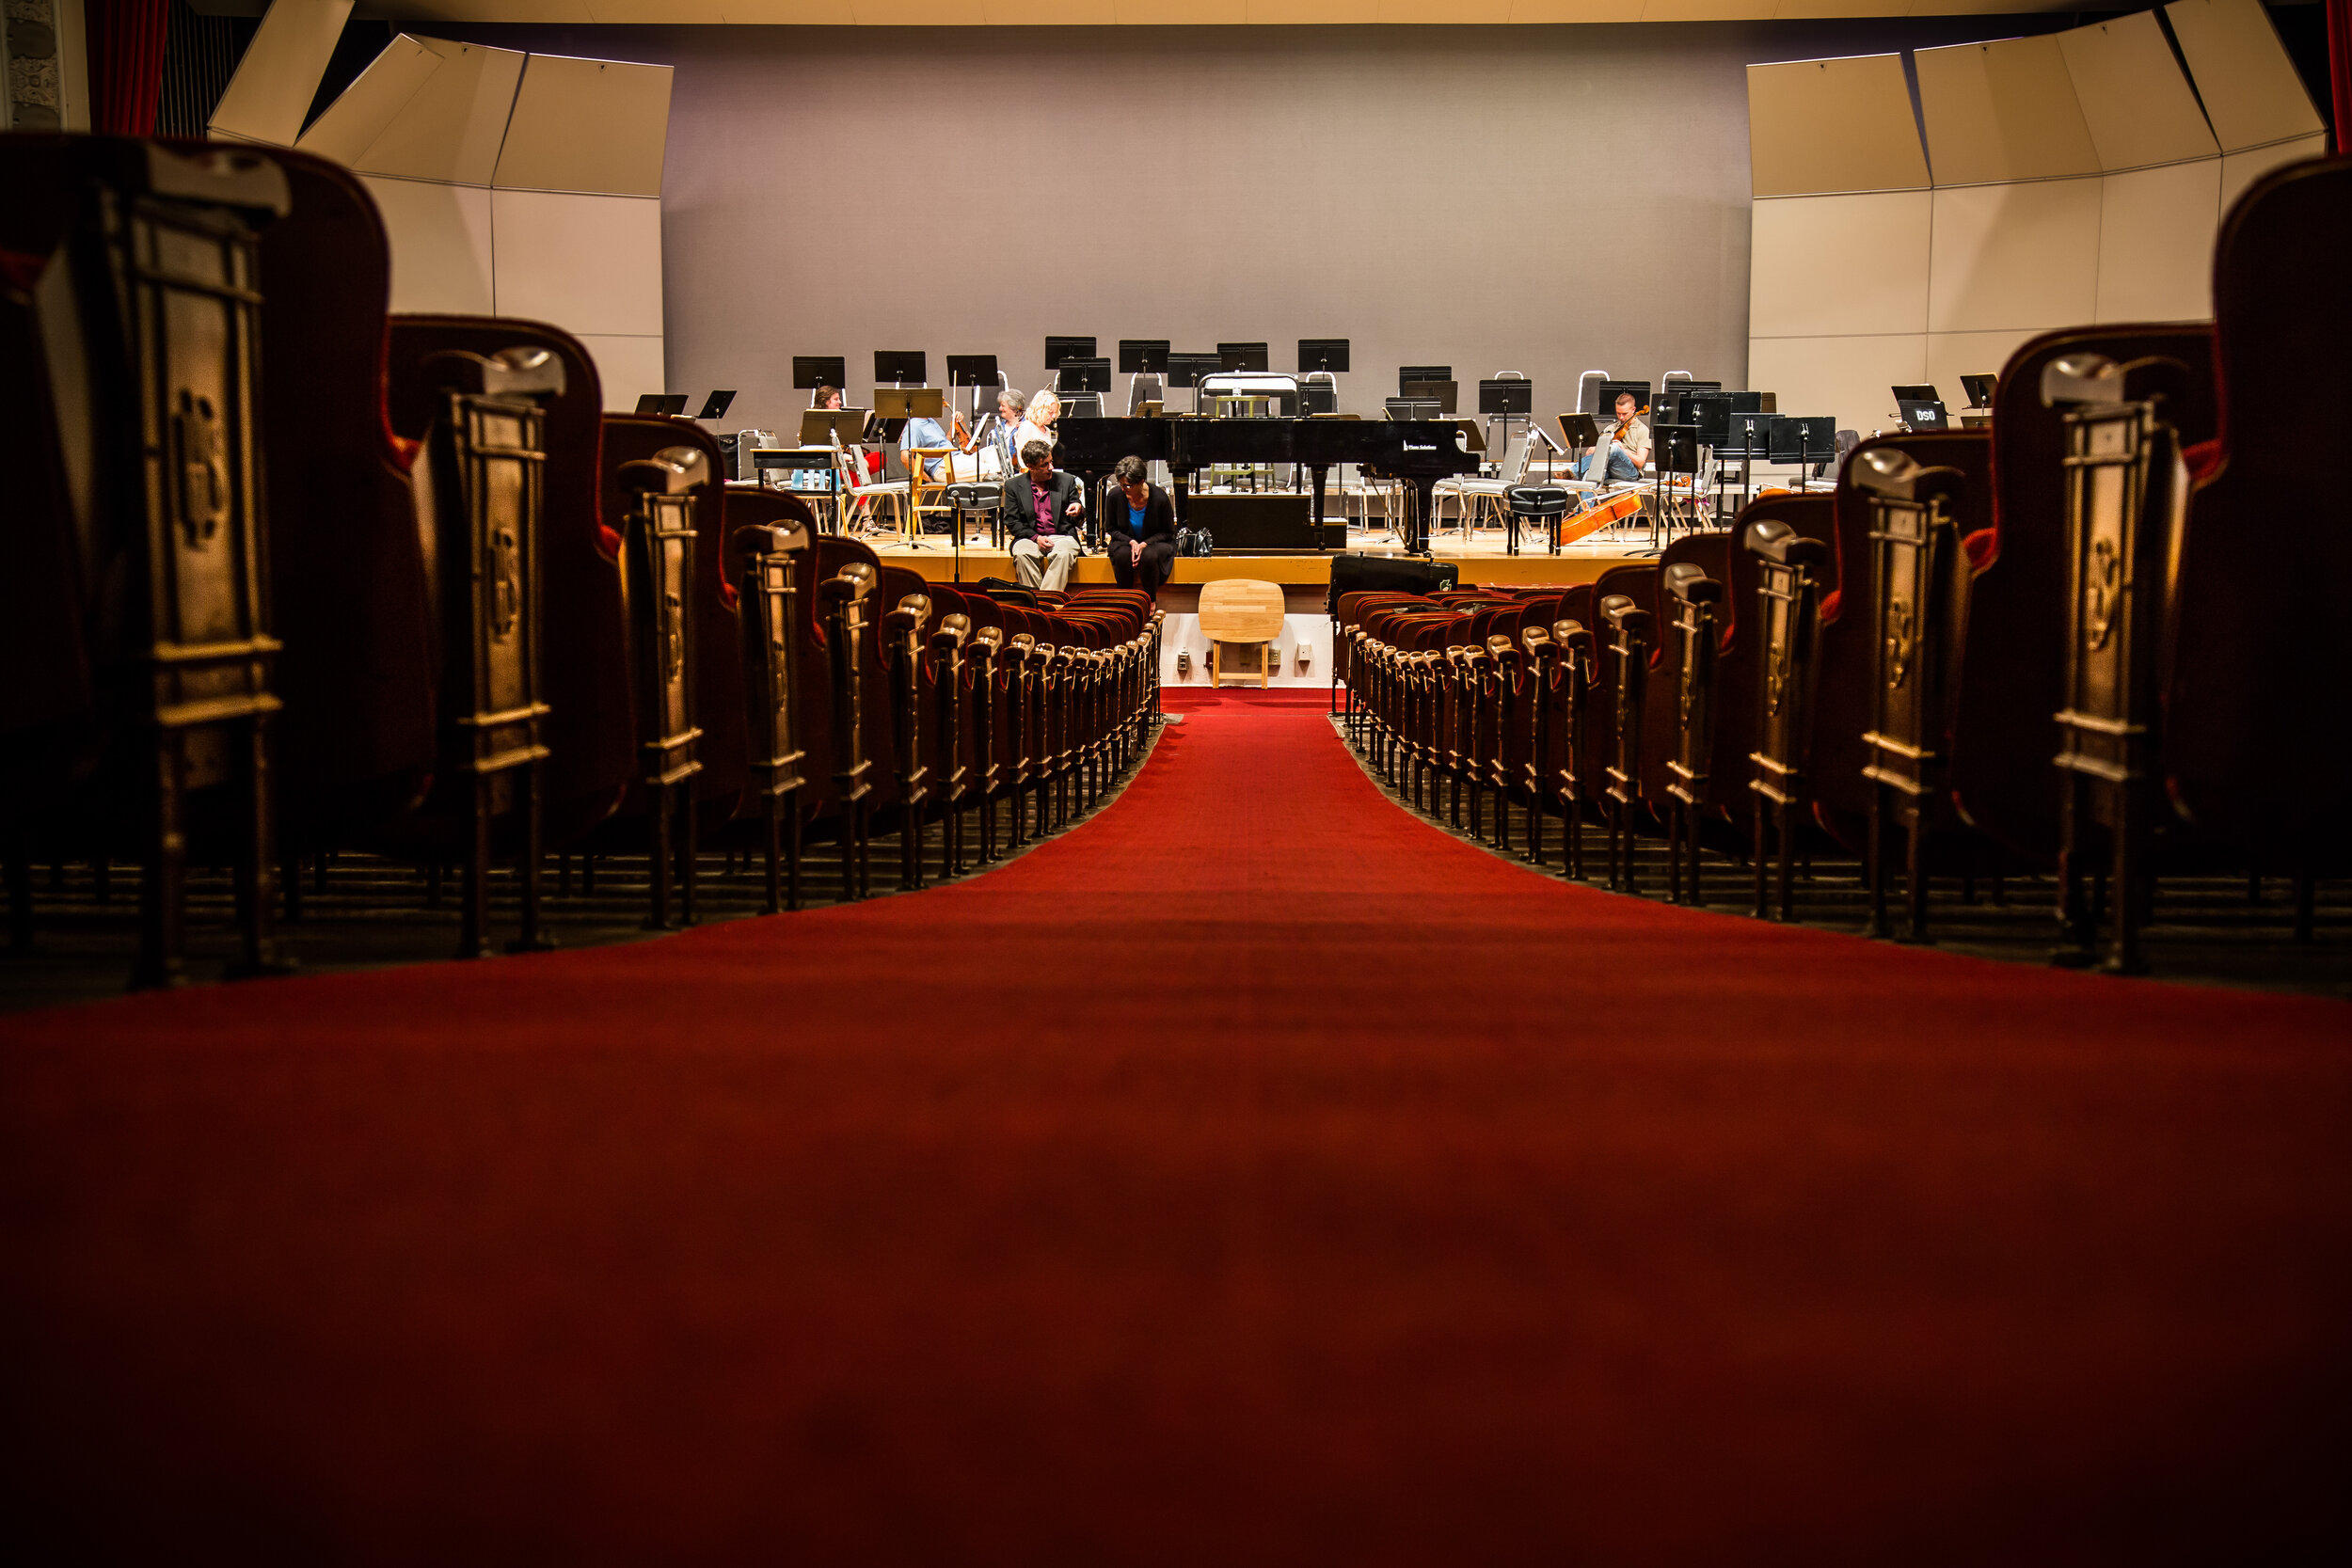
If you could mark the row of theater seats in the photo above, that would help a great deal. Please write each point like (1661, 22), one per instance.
(2106, 640)
(289, 575)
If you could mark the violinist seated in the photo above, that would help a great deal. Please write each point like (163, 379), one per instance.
(926, 433)
(1626, 444)
(1138, 529)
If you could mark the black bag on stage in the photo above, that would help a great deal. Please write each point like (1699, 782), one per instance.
(1195, 541)
(1389, 573)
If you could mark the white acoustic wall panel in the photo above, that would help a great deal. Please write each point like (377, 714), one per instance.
(441, 239)
(2002, 111)
(591, 264)
(364, 110)
(2134, 99)
(2014, 257)
(2155, 242)
(1832, 125)
(1850, 378)
(625, 367)
(2250, 88)
(587, 125)
(1839, 264)
(452, 126)
(2241, 169)
(278, 74)
(1953, 354)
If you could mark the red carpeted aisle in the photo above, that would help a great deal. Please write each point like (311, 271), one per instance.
(1253, 1176)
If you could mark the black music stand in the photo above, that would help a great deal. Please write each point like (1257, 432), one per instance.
(715, 407)
(1143, 356)
(1187, 370)
(902, 367)
(1507, 398)
(813, 371)
(1413, 408)
(1059, 348)
(1408, 375)
(1439, 390)
(1080, 380)
(976, 371)
(1674, 449)
(1242, 359)
(1322, 354)
(672, 403)
(1803, 440)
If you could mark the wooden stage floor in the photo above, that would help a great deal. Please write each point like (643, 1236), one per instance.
(1483, 560)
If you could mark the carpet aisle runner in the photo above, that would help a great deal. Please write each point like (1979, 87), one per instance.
(1252, 1174)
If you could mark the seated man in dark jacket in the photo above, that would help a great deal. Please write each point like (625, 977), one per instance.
(1139, 530)
(1043, 512)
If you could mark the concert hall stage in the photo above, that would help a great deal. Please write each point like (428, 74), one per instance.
(1483, 560)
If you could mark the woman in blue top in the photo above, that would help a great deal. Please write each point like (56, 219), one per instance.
(1138, 529)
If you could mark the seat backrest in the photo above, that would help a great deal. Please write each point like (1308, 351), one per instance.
(358, 679)
(589, 734)
(2010, 679)
(2256, 744)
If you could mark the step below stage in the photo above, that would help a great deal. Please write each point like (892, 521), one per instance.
(1482, 562)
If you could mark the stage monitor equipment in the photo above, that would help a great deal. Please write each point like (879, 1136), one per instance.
(715, 406)
(1710, 414)
(1979, 389)
(1443, 393)
(1143, 356)
(1322, 354)
(1507, 395)
(1186, 370)
(1406, 374)
(1607, 408)
(1059, 348)
(661, 402)
(1926, 414)
(972, 370)
(900, 366)
(812, 370)
(1413, 408)
(1921, 393)
(1083, 375)
(1807, 439)
(1242, 359)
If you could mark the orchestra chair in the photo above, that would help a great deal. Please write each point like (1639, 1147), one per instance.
(589, 729)
(145, 382)
(2257, 745)
(1489, 495)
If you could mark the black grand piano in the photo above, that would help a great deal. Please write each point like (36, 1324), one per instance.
(1419, 452)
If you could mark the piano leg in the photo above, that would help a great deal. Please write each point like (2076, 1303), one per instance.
(1322, 540)
(1424, 495)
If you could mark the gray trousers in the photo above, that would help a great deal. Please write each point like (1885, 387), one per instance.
(1045, 569)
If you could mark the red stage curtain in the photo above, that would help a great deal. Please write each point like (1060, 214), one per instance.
(126, 64)
(2340, 69)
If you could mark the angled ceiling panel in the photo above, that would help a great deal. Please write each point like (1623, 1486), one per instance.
(2134, 99)
(2002, 111)
(587, 125)
(1818, 126)
(452, 126)
(274, 84)
(2252, 93)
(366, 109)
